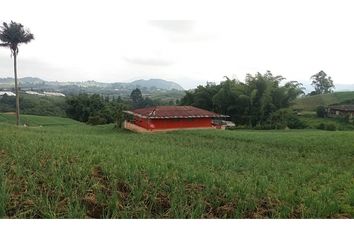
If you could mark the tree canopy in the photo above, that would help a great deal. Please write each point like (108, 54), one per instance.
(139, 102)
(12, 34)
(137, 98)
(322, 83)
(93, 109)
(251, 102)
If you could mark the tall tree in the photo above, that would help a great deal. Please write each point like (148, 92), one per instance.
(322, 83)
(11, 36)
(137, 98)
(251, 102)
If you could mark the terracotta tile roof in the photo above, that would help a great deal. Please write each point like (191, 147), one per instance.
(173, 112)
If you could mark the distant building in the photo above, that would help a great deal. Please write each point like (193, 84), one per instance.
(10, 94)
(45, 93)
(163, 118)
(341, 111)
(34, 93)
(54, 94)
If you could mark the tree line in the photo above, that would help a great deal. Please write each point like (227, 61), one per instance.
(98, 109)
(254, 102)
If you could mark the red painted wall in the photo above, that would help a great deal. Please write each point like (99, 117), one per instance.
(172, 123)
(142, 122)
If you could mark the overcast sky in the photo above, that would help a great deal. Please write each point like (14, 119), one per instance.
(189, 42)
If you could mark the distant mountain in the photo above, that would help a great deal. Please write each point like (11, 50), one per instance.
(157, 83)
(27, 80)
(116, 88)
(344, 87)
(31, 80)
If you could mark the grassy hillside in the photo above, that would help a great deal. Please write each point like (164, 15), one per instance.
(309, 103)
(312, 121)
(35, 121)
(35, 105)
(79, 171)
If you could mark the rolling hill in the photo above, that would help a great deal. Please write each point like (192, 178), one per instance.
(37, 83)
(309, 103)
(157, 83)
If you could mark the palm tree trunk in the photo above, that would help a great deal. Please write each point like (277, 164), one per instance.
(16, 90)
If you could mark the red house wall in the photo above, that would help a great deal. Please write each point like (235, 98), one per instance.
(142, 122)
(173, 123)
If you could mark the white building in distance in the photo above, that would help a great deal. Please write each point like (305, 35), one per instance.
(10, 94)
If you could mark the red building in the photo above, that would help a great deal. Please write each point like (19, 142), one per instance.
(169, 118)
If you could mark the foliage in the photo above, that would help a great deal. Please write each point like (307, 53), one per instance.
(36, 105)
(80, 171)
(251, 102)
(120, 116)
(321, 111)
(138, 100)
(13, 34)
(322, 83)
(286, 118)
(310, 103)
(93, 109)
(328, 126)
(312, 121)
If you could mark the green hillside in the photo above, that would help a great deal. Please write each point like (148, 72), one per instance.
(309, 103)
(70, 170)
(35, 121)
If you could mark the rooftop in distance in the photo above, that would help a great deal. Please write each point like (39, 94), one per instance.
(174, 112)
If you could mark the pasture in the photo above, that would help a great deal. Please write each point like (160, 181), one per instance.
(60, 168)
(310, 103)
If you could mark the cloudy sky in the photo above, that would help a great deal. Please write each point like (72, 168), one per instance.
(189, 42)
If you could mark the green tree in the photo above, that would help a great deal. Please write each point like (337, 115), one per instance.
(188, 99)
(137, 98)
(94, 109)
(11, 36)
(322, 83)
(250, 103)
(261, 90)
(119, 116)
(321, 111)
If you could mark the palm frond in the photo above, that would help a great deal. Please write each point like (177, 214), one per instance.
(12, 34)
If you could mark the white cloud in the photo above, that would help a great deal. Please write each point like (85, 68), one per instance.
(148, 61)
(177, 26)
(110, 41)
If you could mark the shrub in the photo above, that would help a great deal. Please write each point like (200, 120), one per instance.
(286, 118)
(331, 127)
(264, 127)
(328, 126)
(295, 123)
(96, 120)
(321, 111)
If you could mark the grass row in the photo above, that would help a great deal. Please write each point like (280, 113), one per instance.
(78, 171)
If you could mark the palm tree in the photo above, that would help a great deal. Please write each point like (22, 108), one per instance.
(11, 36)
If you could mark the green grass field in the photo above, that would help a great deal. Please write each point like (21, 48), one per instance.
(72, 170)
(312, 121)
(309, 103)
